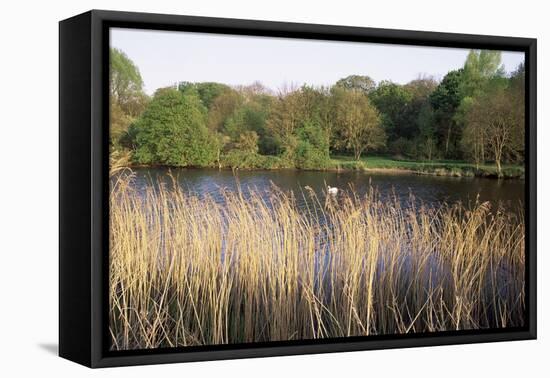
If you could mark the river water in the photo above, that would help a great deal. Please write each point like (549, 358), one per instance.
(430, 190)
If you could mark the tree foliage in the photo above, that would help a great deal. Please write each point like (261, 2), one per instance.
(172, 131)
(473, 113)
(392, 101)
(495, 125)
(359, 83)
(126, 84)
(445, 100)
(223, 107)
(359, 123)
(207, 92)
(300, 122)
(480, 67)
(127, 99)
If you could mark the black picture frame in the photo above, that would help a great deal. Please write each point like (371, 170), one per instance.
(84, 185)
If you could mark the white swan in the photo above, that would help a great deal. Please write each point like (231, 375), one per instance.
(332, 190)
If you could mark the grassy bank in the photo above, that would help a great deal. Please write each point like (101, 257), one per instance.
(188, 271)
(437, 167)
(454, 168)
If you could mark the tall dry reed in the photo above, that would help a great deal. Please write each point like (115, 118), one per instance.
(187, 270)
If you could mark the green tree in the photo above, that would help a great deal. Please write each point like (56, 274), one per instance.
(474, 136)
(251, 116)
(497, 123)
(517, 79)
(357, 82)
(172, 131)
(207, 91)
(418, 119)
(283, 122)
(222, 108)
(317, 108)
(517, 88)
(421, 88)
(312, 151)
(300, 122)
(127, 99)
(480, 67)
(426, 127)
(445, 100)
(359, 123)
(483, 77)
(238, 123)
(392, 101)
(126, 84)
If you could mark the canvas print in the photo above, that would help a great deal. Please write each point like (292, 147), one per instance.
(276, 189)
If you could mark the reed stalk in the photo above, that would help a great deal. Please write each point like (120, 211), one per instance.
(187, 270)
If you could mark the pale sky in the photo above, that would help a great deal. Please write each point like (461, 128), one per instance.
(165, 58)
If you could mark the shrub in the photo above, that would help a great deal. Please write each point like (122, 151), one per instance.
(312, 151)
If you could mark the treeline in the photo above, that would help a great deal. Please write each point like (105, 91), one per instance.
(475, 113)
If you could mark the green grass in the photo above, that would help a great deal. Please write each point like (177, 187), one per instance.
(455, 168)
(436, 167)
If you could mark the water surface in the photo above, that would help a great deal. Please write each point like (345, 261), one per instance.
(430, 190)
